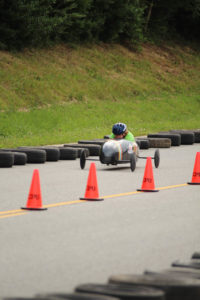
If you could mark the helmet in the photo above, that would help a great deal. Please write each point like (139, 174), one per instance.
(119, 128)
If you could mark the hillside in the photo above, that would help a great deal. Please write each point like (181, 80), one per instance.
(44, 93)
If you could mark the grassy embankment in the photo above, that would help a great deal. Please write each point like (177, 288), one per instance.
(62, 95)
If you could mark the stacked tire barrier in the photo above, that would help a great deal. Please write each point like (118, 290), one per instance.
(75, 296)
(166, 139)
(23, 155)
(178, 137)
(6, 159)
(175, 138)
(72, 151)
(94, 149)
(122, 292)
(180, 282)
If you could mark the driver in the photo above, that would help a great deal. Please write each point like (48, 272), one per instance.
(119, 131)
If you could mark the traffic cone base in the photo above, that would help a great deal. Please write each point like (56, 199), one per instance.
(92, 192)
(92, 199)
(140, 190)
(193, 183)
(29, 208)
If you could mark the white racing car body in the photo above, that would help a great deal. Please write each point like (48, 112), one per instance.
(117, 151)
(114, 152)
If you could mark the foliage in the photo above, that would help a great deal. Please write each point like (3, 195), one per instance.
(171, 17)
(117, 20)
(25, 23)
(73, 20)
(36, 23)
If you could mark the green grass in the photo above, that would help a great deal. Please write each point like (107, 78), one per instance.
(62, 95)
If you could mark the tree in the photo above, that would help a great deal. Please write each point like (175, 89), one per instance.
(170, 17)
(117, 20)
(25, 23)
(73, 19)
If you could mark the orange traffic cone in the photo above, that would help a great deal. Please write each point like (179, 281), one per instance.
(34, 201)
(196, 170)
(92, 192)
(148, 180)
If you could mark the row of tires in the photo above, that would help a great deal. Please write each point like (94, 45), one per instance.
(164, 139)
(180, 282)
(179, 137)
(71, 151)
(24, 155)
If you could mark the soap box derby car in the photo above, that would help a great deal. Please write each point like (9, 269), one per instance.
(119, 151)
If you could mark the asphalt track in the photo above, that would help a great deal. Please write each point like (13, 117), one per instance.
(76, 242)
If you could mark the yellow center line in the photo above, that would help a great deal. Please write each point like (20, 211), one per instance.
(137, 192)
(11, 211)
(12, 215)
(121, 194)
(172, 186)
(63, 203)
(17, 212)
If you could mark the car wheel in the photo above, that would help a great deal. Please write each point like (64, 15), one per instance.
(157, 158)
(82, 159)
(133, 162)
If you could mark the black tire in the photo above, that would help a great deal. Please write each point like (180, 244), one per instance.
(19, 298)
(183, 272)
(159, 143)
(52, 153)
(177, 273)
(33, 155)
(138, 143)
(20, 158)
(75, 296)
(6, 159)
(76, 145)
(93, 142)
(196, 136)
(79, 150)
(175, 138)
(193, 264)
(122, 292)
(68, 153)
(187, 137)
(94, 150)
(144, 143)
(87, 153)
(176, 289)
(196, 255)
(82, 159)
(157, 158)
(133, 162)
